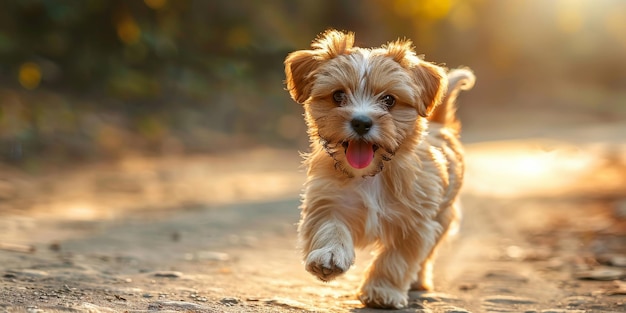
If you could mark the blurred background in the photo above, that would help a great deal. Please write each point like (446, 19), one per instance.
(95, 79)
(140, 135)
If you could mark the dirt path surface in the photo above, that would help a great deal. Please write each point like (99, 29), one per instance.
(544, 230)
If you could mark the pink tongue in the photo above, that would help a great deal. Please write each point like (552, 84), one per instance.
(359, 154)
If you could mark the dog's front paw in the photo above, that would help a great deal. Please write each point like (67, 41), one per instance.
(327, 263)
(382, 297)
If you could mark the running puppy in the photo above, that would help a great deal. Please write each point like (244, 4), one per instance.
(385, 165)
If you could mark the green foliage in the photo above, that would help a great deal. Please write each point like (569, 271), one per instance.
(98, 77)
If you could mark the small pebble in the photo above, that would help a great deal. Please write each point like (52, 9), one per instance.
(453, 309)
(602, 274)
(55, 246)
(94, 308)
(508, 300)
(436, 297)
(506, 276)
(577, 300)
(180, 305)
(29, 273)
(468, 286)
(229, 301)
(167, 274)
(616, 260)
(212, 256)
(515, 252)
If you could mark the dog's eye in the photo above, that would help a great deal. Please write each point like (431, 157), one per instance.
(339, 97)
(388, 100)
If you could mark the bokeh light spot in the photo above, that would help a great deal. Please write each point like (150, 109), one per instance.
(127, 30)
(29, 75)
(155, 4)
(570, 16)
(430, 9)
(437, 9)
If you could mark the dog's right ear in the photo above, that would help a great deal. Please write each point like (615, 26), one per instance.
(300, 66)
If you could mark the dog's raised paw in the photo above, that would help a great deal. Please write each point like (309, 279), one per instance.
(382, 297)
(328, 263)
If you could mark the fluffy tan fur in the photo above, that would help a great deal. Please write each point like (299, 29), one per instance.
(405, 200)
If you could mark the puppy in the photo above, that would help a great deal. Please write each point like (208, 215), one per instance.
(385, 165)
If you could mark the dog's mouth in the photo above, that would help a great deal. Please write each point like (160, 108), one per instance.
(359, 153)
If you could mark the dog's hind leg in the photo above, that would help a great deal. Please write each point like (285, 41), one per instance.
(449, 220)
(388, 278)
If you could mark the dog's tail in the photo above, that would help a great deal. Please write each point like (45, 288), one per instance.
(445, 113)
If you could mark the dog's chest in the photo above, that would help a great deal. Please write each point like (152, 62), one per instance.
(368, 195)
(367, 191)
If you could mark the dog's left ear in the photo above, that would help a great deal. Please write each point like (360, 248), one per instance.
(429, 78)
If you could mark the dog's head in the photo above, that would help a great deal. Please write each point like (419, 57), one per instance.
(361, 104)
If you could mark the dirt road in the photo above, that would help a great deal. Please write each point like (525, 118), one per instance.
(544, 230)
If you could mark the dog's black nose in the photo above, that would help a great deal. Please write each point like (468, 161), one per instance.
(361, 124)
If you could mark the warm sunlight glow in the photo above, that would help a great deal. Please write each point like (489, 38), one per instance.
(84, 212)
(431, 9)
(515, 169)
(570, 16)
